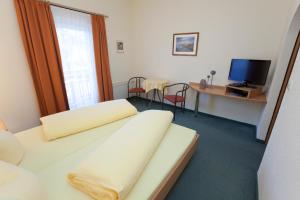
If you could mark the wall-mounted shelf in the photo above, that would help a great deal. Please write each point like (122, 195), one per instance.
(241, 93)
(254, 94)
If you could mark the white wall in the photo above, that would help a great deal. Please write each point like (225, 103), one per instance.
(118, 27)
(18, 104)
(279, 173)
(288, 41)
(228, 29)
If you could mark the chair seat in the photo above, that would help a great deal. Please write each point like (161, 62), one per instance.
(172, 98)
(137, 90)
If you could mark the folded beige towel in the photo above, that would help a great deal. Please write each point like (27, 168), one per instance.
(110, 172)
(81, 119)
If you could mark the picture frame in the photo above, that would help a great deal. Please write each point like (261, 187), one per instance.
(185, 44)
(120, 46)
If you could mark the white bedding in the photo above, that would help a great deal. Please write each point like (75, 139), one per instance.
(52, 161)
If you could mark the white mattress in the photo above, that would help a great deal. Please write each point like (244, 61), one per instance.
(51, 161)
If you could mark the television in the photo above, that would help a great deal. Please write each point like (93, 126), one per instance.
(246, 71)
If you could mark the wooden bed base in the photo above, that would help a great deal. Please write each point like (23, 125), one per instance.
(165, 186)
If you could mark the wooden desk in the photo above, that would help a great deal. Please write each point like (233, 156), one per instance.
(217, 90)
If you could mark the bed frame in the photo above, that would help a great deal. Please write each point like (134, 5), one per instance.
(162, 190)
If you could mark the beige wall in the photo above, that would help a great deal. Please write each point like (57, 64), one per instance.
(18, 105)
(228, 29)
(278, 175)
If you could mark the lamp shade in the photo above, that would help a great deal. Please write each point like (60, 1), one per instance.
(2, 125)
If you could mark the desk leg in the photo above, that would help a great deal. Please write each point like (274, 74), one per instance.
(197, 104)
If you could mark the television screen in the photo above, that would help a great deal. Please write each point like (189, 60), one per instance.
(249, 71)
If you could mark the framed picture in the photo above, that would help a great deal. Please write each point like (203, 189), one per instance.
(120, 46)
(185, 44)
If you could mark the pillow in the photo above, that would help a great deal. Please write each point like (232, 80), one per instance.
(78, 120)
(18, 184)
(10, 148)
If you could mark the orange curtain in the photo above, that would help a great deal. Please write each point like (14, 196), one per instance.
(102, 59)
(42, 50)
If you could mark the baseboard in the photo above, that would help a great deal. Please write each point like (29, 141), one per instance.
(191, 110)
(156, 101)
(260, 141)
(199, 113)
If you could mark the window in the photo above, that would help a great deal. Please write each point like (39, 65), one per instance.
(75, 38)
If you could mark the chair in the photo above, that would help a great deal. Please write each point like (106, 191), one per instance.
(179, 96)
(138, 89)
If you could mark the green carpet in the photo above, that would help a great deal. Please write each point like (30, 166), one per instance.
(225, 165)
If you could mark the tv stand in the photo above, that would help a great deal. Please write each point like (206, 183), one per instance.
(242, 91)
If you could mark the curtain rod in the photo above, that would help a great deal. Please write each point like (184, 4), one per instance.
(75, 9)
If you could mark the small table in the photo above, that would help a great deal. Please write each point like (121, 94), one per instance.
(156, 85)
(217, 90)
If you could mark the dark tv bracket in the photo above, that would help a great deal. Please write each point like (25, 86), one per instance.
(242, 84)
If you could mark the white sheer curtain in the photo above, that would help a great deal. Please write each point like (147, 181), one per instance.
(75, 38)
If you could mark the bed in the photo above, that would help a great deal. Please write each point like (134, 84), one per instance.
(51, 161)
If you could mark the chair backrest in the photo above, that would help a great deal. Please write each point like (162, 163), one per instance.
(183, 87)
(137, 80)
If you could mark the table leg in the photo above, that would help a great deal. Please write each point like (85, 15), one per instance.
(158, 96)
(153, 98)
(197, 104)
(155, 93)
